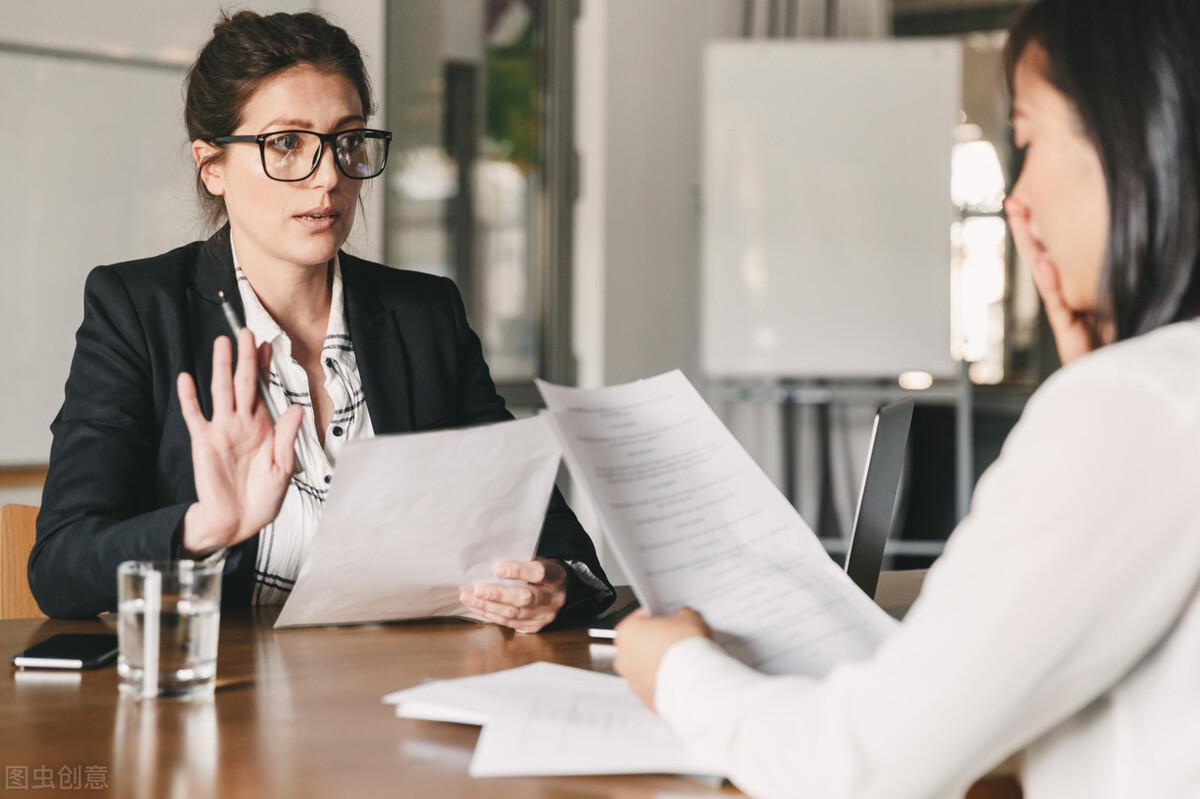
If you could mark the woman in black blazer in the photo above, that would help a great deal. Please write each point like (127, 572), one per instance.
(149, 463)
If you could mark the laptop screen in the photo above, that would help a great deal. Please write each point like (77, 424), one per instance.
(877, 502)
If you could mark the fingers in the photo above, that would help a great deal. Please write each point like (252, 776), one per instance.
(531, 571)
(693, 618)
(1049, 286)
(519, 596)
(640, 613)
(511, 604)
(1045, 273)
(524, 620)
(506, 613)
(286, 428)
(222, 377)
(245, 379)
(1018, 223)
(630, 622)
(189, 405)
(525, 625)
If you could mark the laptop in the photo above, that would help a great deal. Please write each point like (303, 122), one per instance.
(873, 517)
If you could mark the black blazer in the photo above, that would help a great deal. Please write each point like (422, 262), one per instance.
(120, 476)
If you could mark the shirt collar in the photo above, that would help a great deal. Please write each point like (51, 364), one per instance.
(265, 328)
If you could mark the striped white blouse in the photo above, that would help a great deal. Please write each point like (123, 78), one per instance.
(284, 543)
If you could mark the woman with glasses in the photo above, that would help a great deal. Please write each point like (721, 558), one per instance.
(1063, 620)
(149, 462)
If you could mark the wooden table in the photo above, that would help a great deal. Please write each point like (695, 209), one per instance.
(296, 713)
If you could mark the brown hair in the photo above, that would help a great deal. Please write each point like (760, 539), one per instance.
(245, 50)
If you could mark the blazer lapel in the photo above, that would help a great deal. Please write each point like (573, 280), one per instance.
(383, 361)
(214, 275)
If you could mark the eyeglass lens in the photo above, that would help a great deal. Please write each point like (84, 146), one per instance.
(292, 155)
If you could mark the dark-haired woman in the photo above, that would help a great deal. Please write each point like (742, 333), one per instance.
(149, 463)
(1064, 617)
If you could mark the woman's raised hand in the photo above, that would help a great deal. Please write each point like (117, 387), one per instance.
(1075, 333)
(242, 462)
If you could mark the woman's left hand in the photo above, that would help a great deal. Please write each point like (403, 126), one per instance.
(642, 641)
(526, 608)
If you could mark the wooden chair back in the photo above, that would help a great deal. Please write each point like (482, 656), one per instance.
(18, 531)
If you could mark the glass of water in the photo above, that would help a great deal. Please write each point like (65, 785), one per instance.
(170, 612)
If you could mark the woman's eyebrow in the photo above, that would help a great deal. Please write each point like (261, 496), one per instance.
(308, 125)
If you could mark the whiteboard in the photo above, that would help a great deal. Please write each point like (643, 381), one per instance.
(826, 208)
(96, 165)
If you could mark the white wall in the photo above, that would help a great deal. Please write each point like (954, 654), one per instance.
(638, 129)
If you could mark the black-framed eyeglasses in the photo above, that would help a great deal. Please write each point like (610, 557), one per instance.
(292, 155)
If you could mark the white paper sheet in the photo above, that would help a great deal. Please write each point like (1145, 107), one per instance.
(694, 521)
(412, 517)
(478, 698)
(603, 729)
(547, 719)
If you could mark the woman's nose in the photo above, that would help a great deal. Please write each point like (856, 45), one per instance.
(326, 174)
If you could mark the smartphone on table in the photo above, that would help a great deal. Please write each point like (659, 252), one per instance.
(69, 651)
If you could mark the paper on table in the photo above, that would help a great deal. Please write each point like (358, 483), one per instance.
(602, 729)
(547, 719)
(694, 521)
(412, 517)
(474, 700)
(483, 696)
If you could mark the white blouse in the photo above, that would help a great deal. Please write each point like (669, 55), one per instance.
(1062, 620)
(284, 543)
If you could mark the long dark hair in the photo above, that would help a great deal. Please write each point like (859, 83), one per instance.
(245, 50)
(1132, 71)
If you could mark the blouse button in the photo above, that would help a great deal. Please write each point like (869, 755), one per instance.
(337, 430)
(329, 362)
(328, 479)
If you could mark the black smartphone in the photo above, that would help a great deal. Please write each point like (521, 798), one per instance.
(69, 651)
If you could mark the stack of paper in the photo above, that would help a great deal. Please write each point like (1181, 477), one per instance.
(544, 719)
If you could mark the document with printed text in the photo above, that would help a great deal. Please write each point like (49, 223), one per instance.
(694, 521)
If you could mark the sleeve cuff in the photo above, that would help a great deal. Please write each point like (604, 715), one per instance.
(700, 691)
(585, 591)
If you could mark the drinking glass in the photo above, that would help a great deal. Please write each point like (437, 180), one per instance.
(170, 612)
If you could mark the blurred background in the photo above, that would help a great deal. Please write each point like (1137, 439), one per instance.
(796, 202)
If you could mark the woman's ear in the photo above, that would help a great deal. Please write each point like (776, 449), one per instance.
(213, 172)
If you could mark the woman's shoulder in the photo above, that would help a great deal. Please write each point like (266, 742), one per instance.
(165, 271)
(1161, 367)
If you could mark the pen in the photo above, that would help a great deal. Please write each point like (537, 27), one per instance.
(264, 393)
(264, 388)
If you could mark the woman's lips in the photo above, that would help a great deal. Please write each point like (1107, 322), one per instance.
(318, 219)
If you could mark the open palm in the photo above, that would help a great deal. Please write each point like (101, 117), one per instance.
(242, 462)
